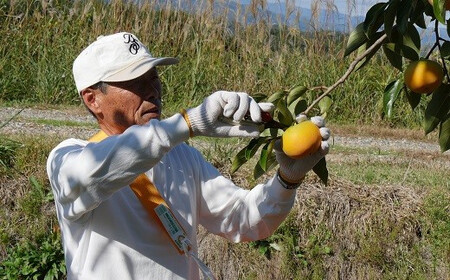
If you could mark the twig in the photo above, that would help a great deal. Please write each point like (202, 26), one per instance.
(10, 119)
(432, 49)
(350, 69)
(438, 45)
(406, 172)
(323, 88)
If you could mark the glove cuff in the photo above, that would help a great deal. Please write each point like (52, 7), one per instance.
(188, 121)
(198, 120)
(287, 183)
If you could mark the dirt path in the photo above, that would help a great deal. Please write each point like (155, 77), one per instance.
(76, 122)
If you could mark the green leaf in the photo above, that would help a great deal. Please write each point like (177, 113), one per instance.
(438, 108)
(274, 132)
(409, 53)
(428, 10)
(403, 16)
(394, 58)
(266, 152)
(253, 146)
(295, 93)
(412, 38)
(258, 171)
(37, 187)
(284, 115)
(259, 97)
(325, 104)
(363, 48)
(444, 134)
(403, 50)
(276, 96)
(413, 98)
(420, 21)
(356, 39)
(247, 152)
(238, 160)
(417, 15)
(391, 93)
(321, 170)
(445, 49)
(407, 45)
(439, 11)
(298, 106)
(389, 16)
(263, 250)
(374, 19)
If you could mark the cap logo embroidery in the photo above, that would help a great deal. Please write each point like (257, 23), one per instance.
(134, 44)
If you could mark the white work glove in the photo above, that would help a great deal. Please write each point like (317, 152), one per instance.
(222, 115)
(294, 170)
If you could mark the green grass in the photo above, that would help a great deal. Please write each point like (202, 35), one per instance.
(215, 54)
(385, 173)
(64, 123)
(365, 151)
(7, 153)
(387, 167)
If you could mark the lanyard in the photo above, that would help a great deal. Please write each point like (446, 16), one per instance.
(159, 211)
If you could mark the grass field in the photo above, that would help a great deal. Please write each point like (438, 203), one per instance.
(384, 214)
(215, 51)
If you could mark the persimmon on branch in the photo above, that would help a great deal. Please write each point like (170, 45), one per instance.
(391, 26)
(344, 77)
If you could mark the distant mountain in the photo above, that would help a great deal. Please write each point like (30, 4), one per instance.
(276, 12)
(328, 20)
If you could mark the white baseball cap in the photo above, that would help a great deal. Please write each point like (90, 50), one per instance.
(114, 58)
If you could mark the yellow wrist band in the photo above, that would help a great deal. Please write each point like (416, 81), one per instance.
(188, 122)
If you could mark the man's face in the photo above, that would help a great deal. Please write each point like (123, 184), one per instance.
(131, 102)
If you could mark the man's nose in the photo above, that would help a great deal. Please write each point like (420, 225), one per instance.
(155, 100)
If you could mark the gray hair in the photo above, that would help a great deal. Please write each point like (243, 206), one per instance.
(102, 87)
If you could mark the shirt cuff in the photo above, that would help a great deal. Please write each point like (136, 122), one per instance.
(176, 129)
(276, 190)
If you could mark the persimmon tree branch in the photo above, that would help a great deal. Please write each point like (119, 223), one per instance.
(438, 45)
(436, 42)
(319, 88)
(350, 69)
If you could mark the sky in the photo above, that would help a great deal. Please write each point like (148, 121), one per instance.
(353, 7)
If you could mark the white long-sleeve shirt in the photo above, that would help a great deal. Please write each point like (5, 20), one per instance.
(107, 233)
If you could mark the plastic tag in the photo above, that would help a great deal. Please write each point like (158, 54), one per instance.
(179, 238)
(170, 223)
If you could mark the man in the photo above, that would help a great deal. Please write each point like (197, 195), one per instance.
(107, 230)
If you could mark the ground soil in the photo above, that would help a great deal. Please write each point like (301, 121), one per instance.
(77, 122)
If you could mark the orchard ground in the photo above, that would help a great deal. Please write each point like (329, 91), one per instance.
(384, 214)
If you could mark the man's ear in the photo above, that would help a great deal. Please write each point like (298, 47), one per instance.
(89, 96)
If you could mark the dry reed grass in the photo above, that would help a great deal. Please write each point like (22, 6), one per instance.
(345, 231)
(357, 217)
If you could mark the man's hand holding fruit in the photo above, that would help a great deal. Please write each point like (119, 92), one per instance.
(235, 114)
(301, 147)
